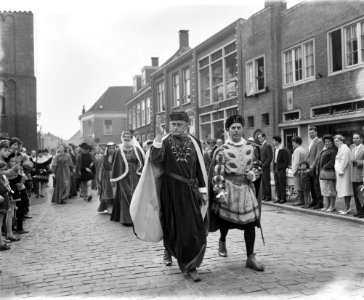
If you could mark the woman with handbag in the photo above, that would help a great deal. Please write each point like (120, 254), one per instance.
(326, 171)
(343, 166)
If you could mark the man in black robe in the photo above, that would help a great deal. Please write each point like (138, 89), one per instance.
(183, 194)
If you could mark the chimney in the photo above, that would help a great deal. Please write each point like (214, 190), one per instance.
(183, 39)
(281, 4)
(83, 110)
(155, 62)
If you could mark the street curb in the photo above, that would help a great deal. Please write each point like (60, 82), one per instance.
(316, 212)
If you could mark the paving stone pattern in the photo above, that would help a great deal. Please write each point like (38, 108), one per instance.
(74, 252)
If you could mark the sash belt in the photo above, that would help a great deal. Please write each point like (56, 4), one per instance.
(191, 182)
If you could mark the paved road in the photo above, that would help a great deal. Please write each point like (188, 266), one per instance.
(74, 252)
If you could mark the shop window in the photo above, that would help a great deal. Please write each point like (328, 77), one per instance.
(217, 84)
(231, 76)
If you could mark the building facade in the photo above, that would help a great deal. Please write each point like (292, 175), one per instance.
(18, 103)
(139, 105)
(311, 60)
(106, 119)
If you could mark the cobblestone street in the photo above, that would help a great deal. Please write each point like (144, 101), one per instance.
(74, 252)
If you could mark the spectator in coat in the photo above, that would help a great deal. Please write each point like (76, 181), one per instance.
(266, 159)
(343, 166)
(315, 146)
(298, 156)
(280, 164)
(357, 155)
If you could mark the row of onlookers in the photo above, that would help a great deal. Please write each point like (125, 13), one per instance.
(326, 170)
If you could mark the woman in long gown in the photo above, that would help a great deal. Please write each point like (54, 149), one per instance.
(73, 190)
(128, 162)
(103, 179)
(62, 167)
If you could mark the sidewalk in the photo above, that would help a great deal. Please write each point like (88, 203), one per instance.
(335, 214)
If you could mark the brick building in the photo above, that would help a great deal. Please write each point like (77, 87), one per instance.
(18, 107)
(105, 120)
(282, 69)
(312, 66)
(139, 105)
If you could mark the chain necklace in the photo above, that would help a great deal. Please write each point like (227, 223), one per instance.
(181, 152)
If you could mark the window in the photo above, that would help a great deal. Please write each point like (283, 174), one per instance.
(212, 124)
(134, 117)
(147, 120)
(299, 63)
(107, 127)
(2, 105)
(346, 47)
(160, 96)
(291, 116)
(130, 118)
(186, 86)
(192, 125)
(175, 90)
(143, 112)
(265, 119)
(90, 127)
(251, 122)
(138, 116)
(218, 75)
(255, 75)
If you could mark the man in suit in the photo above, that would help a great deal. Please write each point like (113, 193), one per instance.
(266, 159)
(315, 147)
(357, 153)
(298, 156)
(280, 165)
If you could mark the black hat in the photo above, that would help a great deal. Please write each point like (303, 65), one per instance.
(234, 119)
(179, 116)
(328, 137)
(85, 146)
(14, 140)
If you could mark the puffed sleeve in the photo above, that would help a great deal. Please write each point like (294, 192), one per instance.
(218, 179)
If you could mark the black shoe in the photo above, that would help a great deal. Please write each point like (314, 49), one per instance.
(361, 217)
(167, 258)
(27, 217)
(312, 205)
(267, 200)
(318, 206)
(89, 198)
(193, 274)
(282, 201)
(22, 232)
(277, 201)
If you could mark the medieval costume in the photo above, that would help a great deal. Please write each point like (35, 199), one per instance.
(61, 166)
(41, 172)
(103, 179)
(86, 169)
(126, 170)
(183, 210)
(234, 204)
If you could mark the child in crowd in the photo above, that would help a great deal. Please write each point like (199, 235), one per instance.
(305, 180)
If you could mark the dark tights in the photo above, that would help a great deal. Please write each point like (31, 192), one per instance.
(249, 236)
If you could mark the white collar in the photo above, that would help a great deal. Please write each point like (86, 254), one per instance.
(240, 143)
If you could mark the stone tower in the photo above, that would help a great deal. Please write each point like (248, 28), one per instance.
(18, 104)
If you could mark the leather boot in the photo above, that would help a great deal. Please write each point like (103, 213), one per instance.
(193, 274)
(222, 249)
(252, 263)
(167, 258)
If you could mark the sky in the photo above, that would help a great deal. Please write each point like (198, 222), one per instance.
(83, 47)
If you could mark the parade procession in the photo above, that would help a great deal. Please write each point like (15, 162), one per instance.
(232, 169)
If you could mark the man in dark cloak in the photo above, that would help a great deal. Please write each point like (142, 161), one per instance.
(183, 195)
